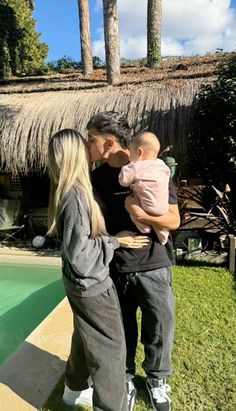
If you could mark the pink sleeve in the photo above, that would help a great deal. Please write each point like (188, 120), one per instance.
(153, 188)
(127, 175)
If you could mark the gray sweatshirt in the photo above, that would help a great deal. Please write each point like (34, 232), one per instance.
(85, 260)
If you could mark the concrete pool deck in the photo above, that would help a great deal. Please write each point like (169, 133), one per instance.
(14, 255)
(30, 374)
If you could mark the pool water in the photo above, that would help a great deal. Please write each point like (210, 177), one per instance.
(27, 295)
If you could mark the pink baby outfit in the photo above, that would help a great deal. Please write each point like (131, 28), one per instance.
(149, 181)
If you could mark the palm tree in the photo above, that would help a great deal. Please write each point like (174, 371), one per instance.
(112, 43)
(154, 14)
(85, 41)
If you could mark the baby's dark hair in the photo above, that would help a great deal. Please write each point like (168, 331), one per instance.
(113, 123)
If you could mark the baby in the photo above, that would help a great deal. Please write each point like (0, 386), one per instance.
(148, 177)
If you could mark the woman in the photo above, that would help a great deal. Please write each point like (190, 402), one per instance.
(98, 345)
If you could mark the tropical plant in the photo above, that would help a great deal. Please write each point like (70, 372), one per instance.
(226, 211)
(218, 207)
(212, 142)
(112, 43)
(154, 16)
(21, 52)
(85, 40)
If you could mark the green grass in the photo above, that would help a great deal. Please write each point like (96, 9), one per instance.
(204, 353)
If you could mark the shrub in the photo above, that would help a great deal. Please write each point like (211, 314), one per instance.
(212, 142)
(64, 64)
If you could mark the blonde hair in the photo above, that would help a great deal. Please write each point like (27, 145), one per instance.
(149, 141)
(68, 167)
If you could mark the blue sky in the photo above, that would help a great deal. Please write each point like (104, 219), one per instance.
(193, 27)
(58, 23)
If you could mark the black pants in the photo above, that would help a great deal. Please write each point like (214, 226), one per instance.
(152, 292)
(98, 349)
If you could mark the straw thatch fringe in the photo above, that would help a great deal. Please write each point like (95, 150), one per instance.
(27, 121)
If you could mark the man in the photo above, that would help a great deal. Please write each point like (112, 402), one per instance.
(142, 276)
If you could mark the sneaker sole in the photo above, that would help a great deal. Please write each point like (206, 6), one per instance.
(150, 396)
(78, 401)
(133, 404)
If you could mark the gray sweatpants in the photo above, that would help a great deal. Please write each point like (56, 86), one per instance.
(98, 350)
(152, 292)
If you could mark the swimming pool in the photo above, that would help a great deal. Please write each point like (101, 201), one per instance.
(28, 293)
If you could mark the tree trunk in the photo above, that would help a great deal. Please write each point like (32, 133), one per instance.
(154, 14)
(85, 41)
(112, 41)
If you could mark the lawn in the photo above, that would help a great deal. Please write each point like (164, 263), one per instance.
(204, 353)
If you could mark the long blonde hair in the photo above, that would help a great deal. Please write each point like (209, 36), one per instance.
(68, 167)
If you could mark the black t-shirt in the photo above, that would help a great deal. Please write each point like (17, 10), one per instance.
(111, 196)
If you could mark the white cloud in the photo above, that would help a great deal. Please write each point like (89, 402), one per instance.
(188, 27)
(129, 46)
(133, 46)
(200, 25)
(171, 47)
(99, 49)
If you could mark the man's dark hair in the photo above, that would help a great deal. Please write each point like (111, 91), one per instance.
(113, 123)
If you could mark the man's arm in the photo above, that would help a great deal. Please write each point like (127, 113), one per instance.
(168, 221)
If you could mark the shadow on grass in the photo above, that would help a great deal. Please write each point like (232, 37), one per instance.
(55, 403)
(209, 264)
(142, 395)
(198, 263)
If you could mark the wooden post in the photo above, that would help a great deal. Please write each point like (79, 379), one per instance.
(232, 246)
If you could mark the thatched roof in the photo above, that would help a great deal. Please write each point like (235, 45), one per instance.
(34, 108)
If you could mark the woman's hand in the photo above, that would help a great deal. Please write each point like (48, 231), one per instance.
(128, 239)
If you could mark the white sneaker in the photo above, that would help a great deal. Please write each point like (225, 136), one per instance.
(131, 395)
(78, 397)
(157, 390)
